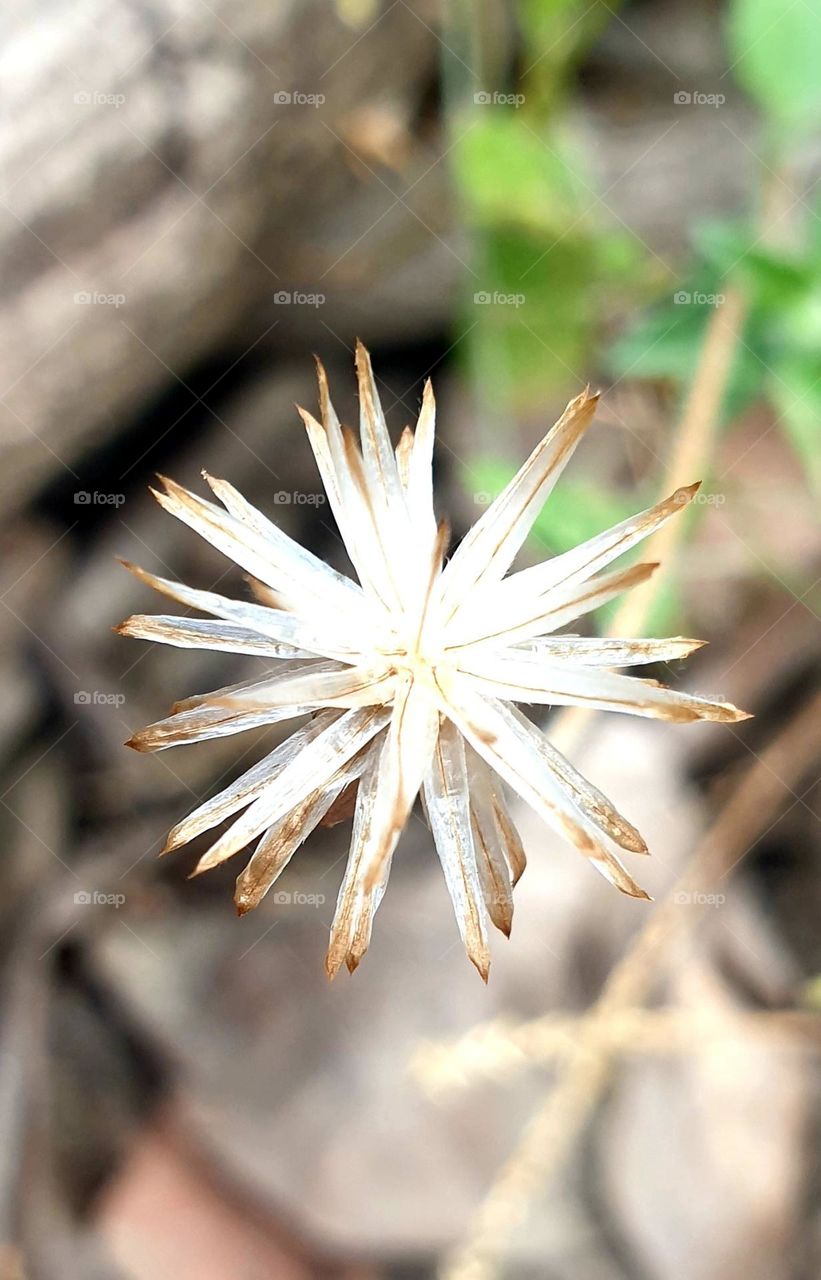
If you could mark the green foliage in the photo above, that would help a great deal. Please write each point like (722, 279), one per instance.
(550, 272)
(555, 33)
(779, 357)
(775, 53)
(545, 267)
(794, 387)
(510, 176)
(546, 264)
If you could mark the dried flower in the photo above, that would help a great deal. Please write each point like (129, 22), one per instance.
(409, 677)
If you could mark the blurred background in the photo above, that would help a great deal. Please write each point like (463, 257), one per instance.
(514, 199)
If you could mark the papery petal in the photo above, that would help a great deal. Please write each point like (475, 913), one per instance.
(494, 873)
(204, 722)
(512, 841)
(492, 625)
(352, 687)
(352, 518)
(249, 785)
(348, 501)
(271, 556)
(403, 452)
(204, 633)
(286, 667)
(385, 492)
(356, 905)
(281, 841)
(596, 553)
(486, 552)
(409, 743)
(420, 475)
(523, 735)
(596, 651)
(389, 538)
(427, 617)
(309, 771)
(483, 782)
(520, 754)
(386, 794)
(447, 801)
(381, 470)
(299, 634)
(527, 680)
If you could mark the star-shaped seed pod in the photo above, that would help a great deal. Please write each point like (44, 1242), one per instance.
(410, 676)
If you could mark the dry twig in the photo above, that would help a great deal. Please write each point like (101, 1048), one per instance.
(585, 1070)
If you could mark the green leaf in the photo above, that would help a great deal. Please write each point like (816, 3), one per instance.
(668, 345)
(532, 316)
(775, 54)
(795, 390)
(799, 326)
(731, 253)
(720, 242)
(576, 511)
(555, 35)
(512, 173)
(665, 344)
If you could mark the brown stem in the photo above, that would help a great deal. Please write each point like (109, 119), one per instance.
(764, 790)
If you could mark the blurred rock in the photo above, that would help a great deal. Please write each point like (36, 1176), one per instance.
(185, 179)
